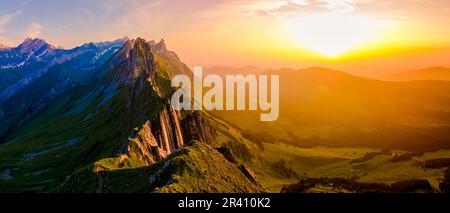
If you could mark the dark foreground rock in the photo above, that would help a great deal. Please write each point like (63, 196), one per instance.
(324, 184)
(445, 184)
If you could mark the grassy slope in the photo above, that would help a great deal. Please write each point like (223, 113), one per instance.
(325, 161)
(96, 119)
(87, 127)
(99, 131)
(195, 168)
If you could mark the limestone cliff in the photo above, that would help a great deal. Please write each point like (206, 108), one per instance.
(140, 66)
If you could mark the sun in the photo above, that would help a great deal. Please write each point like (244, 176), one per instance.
(331, 34)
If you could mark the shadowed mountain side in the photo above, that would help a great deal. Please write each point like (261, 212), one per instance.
(342, 185)
(123, 112)
(35, 74)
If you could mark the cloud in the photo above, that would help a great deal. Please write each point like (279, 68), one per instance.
(160, 18)
(288, 8)
(7, 18)
(33, 30)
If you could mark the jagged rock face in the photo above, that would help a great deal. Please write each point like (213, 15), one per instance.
(144, 146)
(444, 186)
(196, 128)
(191, 169)
(140, 63)
(154, 141)
(135, 66)
(227, 152)
(123, 110)
(170, 129)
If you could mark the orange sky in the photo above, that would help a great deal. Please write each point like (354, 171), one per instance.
(364, 37)
(401, 35)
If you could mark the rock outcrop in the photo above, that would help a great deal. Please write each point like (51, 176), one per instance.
(192, 169)
(195, 128)
(444, 186)
(135, 66)
(144, 146)
(227, 152)
(125, 123)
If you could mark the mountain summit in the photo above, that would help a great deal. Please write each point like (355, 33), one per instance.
(86, 130)
(35, 73)
(34, 45)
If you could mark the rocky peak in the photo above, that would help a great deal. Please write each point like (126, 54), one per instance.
(135, 67)
(138, 62)
(33, 45)
(120, 41)
(161, 46)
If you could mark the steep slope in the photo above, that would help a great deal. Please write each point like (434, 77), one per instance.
(123, 119)
(27, 59)
(168, 61)
(99, 118)
(35, 73)
(197, 168)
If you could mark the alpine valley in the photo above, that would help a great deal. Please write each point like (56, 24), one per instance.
(98, 118)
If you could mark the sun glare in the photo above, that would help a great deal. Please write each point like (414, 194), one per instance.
(331, 34)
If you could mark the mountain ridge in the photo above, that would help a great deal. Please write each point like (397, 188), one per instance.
(120, 120)
(104, 123)
(23, 91)
(432, 73)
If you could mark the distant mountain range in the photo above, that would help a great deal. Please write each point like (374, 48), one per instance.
(432, 73)
(98, 118)
(72, 120)
(331, 108)
(222, 70)
(36, 73)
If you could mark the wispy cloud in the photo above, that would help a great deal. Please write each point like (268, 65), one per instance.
(7, 18)
(288, 8)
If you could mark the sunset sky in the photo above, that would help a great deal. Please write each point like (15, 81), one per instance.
(365, 37)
